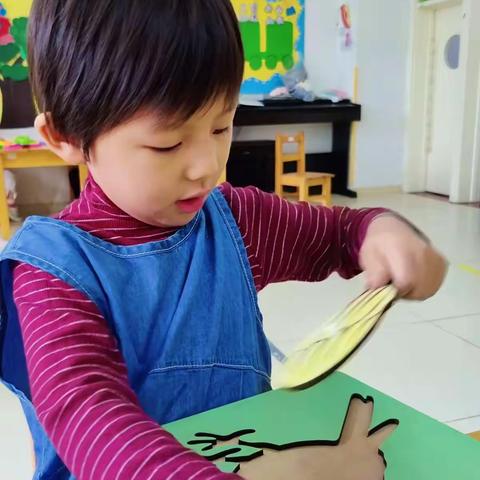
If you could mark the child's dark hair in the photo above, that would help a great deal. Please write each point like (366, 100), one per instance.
(95, 64)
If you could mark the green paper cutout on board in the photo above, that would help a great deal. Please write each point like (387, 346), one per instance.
(18, 30)
(17, 72)
(273, 37)
(8, 52)
(421, 448)
(280, 47)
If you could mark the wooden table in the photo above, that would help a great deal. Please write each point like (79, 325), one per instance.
(27, 158)
(420, 449)
(475, 435)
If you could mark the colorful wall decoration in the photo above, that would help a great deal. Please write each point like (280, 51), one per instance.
(17, 8)
(273, 34)
(16, 101)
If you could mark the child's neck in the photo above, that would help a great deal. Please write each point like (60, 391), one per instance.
(94, 212)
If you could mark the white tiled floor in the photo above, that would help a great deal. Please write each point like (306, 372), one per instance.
(425, 354)
(466, 328)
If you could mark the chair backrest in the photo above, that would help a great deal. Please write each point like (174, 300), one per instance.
(282, 143)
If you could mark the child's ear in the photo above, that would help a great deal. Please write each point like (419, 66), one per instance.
(69, 152)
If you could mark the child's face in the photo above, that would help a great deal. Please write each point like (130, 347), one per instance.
(162, 175)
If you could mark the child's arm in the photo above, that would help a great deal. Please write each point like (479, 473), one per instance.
(287, 241)
(81, 393)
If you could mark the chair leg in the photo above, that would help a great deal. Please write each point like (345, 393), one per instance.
(278, 186)
(327, 191)
(303, 192)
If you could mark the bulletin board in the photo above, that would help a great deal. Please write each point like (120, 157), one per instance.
(273, 35)
(17, 8)
(17, 108)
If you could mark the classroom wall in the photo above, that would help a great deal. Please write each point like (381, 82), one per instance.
(381, 36)
(329, 65)
(383, 58)
(381, 51)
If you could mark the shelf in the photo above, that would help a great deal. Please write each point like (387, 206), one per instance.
(437, 4)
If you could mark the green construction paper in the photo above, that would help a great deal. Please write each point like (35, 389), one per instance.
(8, 53)
(18, 30)
(420, 449)
(250, 32)
(17, 73)
(280, 46)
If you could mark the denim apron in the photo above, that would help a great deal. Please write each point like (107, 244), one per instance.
(183, 310)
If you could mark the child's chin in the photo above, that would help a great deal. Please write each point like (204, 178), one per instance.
(184, 219)
(178, 221)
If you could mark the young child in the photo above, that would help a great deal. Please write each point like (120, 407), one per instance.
(137, 305)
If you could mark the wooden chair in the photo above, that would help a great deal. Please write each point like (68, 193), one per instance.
(300, 179)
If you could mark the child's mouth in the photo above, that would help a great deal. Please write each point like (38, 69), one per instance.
(191, 205)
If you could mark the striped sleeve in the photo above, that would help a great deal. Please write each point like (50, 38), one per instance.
(81, 393)
(297, 241)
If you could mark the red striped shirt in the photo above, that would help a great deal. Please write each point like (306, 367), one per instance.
(77, 374)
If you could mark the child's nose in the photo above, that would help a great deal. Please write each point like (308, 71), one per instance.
(203, 163)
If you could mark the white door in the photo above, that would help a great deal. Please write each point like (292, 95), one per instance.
(445, 108)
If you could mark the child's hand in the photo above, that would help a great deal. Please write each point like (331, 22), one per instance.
(394, 253)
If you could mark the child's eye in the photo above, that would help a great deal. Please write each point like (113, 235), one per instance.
(166, 149)
(221, 130)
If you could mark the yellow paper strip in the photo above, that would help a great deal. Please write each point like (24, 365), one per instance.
(469, 269)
